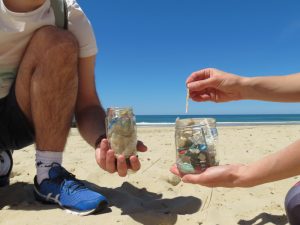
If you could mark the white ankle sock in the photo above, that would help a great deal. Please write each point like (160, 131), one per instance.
(43, 162)
(5, 163)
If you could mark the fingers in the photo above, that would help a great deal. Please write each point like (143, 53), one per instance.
(121, 166)
(200, 179)
(193, 179)
(200, 85)
(135, 163)
(107, 160)
(217, 176)
(175, 170)
(190, 178)
(203, 80)
(110, 161)
(101, 153)
(201, 97)
(208, 94)
(200, 75)
(105, 157)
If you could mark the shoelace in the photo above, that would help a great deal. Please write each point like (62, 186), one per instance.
(68, 180)
(70, 183)
(73, 186)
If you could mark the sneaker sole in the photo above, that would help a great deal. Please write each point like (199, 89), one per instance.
(49, 200)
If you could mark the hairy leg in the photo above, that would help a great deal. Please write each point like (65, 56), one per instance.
(46, 86)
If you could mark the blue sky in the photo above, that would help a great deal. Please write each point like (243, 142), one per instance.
(148, 49)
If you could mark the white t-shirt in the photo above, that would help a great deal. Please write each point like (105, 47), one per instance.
(16, 30)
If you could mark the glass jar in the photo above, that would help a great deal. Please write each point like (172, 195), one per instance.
(195, 141)
(121, 131)
(211, 125)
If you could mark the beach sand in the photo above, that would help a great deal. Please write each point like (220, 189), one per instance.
(150, 196)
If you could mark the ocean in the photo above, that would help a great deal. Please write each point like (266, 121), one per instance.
(222, 120)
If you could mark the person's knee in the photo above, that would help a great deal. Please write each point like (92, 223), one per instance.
(55, 42)
(55, 51)
(292, 205)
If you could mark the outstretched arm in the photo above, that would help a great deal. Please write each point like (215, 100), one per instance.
(280, 165)
(218, 86)
(273, 88)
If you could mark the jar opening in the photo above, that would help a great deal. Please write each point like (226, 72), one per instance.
(194, 122)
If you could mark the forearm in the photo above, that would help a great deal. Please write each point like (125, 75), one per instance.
(275, 88)
(280, 165)
(91, 123)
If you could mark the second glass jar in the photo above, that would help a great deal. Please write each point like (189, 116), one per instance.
(195, 141)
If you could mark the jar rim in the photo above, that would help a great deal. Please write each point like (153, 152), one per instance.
(119, 107)
(198, 121)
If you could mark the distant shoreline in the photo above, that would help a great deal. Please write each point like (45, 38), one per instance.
(223, 124)
(222, 120)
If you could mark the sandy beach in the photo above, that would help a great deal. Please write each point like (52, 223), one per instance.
(152, 196)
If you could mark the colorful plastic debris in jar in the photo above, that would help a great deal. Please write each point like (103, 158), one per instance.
(195, 141)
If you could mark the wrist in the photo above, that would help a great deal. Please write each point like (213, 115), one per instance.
(244, 177)
(245, 84)
(99, 139)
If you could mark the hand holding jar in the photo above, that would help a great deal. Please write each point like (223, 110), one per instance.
(118, 152)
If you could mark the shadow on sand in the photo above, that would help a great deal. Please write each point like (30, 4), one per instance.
(149, 208)
(19, 196)
(265, 218)
(141, 205)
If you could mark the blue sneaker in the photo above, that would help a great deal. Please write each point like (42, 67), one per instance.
(6, 157)
(71, 194)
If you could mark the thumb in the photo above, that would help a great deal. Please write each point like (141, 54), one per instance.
(190, 178)
(141, 147)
